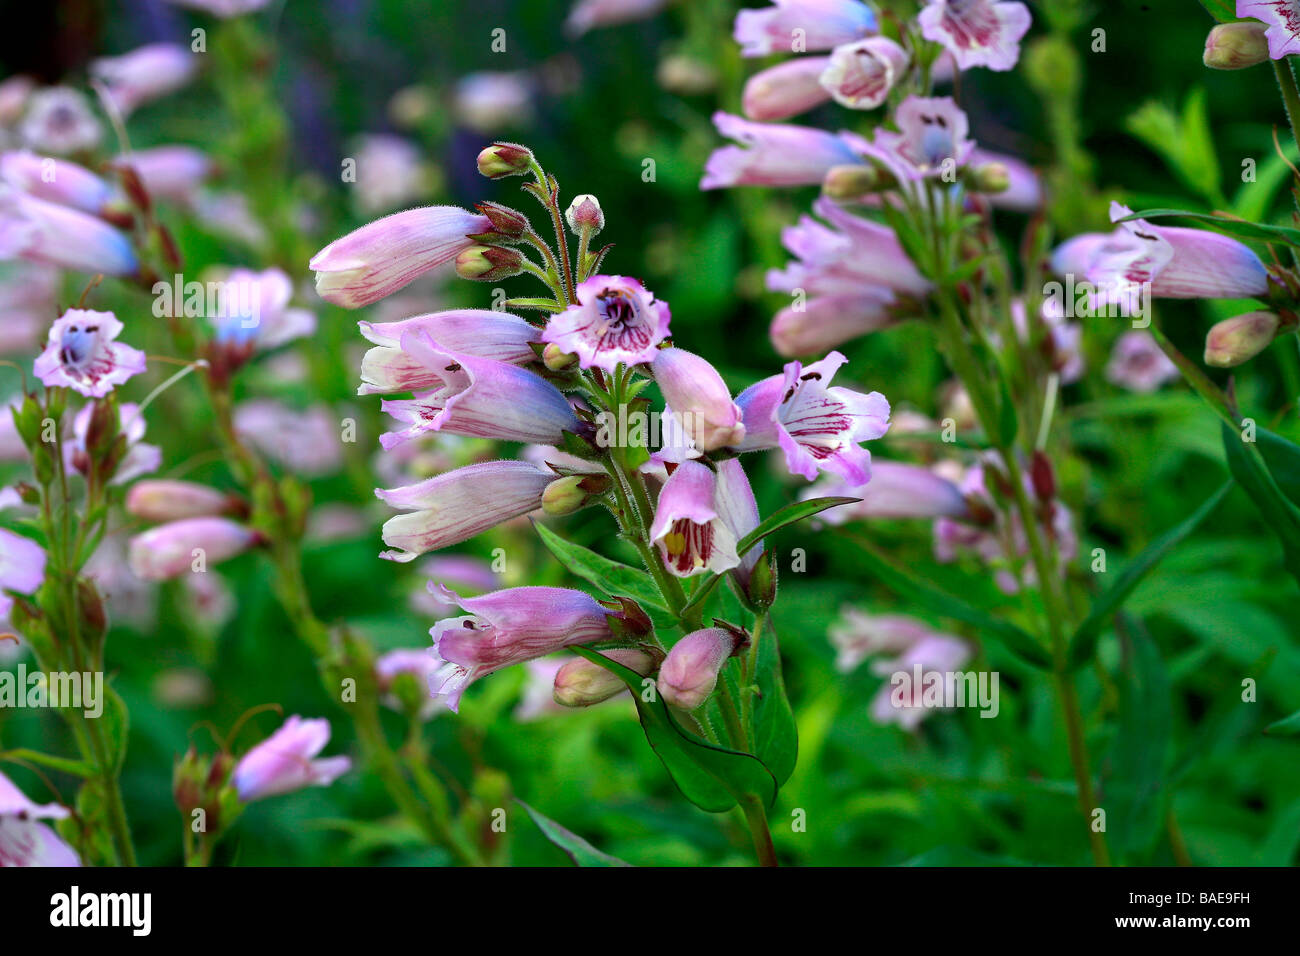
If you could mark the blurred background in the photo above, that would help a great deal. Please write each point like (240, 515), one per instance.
(313, 84)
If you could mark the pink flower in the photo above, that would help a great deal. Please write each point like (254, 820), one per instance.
(256, 310)
(896, 490)
(173, 500)
(616, 321)
(22, 567)
(733, 498)
(458, 571)
(791, 26)
(903, 702)
(1283, 20)
(479, 397)
(40, 231)
(692, 535)
(1138, 364)
(588, 14)
(485, 333)
(59, 120)
(81, 354)
(817, 426)
(282, 763)
(173, 173)
(308, 441)
(933, 139)
(451, 508)
(55, 180)
(28, 296)
(977, 32)
(1060, 341)
(690, 671)
(698, 399)
(509, 627)
(776, 155)
(860, 75)
(1024, 193)
(1173, 262)
(24, 841)
(786, 89)
(145, 74)
(187, 546)
(858, 635)
(581, 683)
(390, 253)
(827, 321)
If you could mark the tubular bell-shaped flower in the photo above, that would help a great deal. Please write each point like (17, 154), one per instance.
(615, 321)
(144, 74)
(1282, 18)
(178, 547)
(81, 354)
(283, 762)
(896, 490)
(817, 426)
(820, 25)
(977, 32)
(479, 397)
(22, 567)
(40, 231)
(24, 840)
(776, 155)
(509, 627)
(390, 253)
(860, 75)
(693, 537)
(786, 89)
(699, 399)
(481, 332)
(455, 506)
(55, 180)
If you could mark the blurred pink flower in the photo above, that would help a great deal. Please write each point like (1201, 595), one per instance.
(59, 120)
(171, 173)
(22, 567)
(777, 154)
(140, 458)
(588, 14)
(787, 89)
(55, 180)
(821, 25)
(283, 762)
(1137, 363)
(46, 232)
(307, 441)
(860, 75)
(144, 74)
(188, 546)
(977, 32)
(24, 841)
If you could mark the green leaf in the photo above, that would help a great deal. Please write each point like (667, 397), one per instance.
(575, 847)
(1184, 142)
(711, 777)
(776, 734)
(613, 578)
(1084, 642)
(116, 727)
(1225, 11)
(1263, 471)
(949, 605)
(1135, 788)
(1286, 727)
(788, 515)
(1234, 227)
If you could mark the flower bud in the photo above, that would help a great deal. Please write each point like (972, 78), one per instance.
(556, 359)
(506, 222)
(581, 683)
(564, 496)
(1235, 46)
(989, 178)
(690, 671)
(1240, 338)
(172, 549)
(173, 500)
(585, 213)
(699, 399)
(489, 263)
(853, 180)
(504, 159)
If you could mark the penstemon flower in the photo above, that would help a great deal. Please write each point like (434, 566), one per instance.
(59, 120)
(55, 180)
(816, 425)
(24, 840)
(860, 75)
(510, 627)
(977, 32)
(480, 397)
(778, 155)
(390, 253)
(82, 354)
(56, 235)
(22, 567)
(145, 74)
(283, 762)
(897, 490)
(453, 507)
(1282, 19)
(787, 89)
(616, 321)
(590, 14)
(138, 457)
(1137, 363)
(690, 671)
(189, 545)
(172, 173)
(821, 25)
(698, 399)
(692, 535)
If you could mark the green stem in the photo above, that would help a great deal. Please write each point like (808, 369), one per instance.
(1290, 95)
(759, 832)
